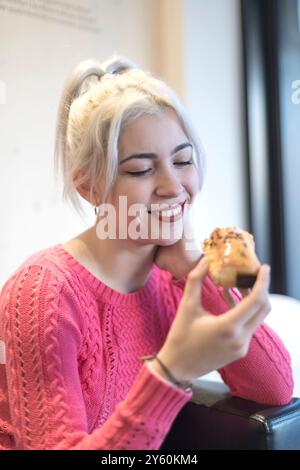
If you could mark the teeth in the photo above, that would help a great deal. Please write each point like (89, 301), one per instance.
(171, 212)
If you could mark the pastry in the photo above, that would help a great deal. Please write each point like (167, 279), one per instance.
(232, 258)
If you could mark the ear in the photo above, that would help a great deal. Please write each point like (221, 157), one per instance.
(85, 193)
(84, 190)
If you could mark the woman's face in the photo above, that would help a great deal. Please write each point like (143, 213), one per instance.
(156, 170)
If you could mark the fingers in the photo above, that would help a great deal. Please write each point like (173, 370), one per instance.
(262, 283)
(244, 292)
(255, 301)
(233, 296)
(193, 284)
(259, 317)
(229, 297)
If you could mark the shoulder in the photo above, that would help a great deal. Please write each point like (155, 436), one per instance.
(41, 301)
(43, 280)
(50, 263)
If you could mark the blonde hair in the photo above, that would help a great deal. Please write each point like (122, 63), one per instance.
(98, 100)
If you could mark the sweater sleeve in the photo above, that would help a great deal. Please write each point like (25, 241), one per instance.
(264, 375)
(43, 335)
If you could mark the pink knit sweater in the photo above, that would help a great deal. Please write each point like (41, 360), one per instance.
(71, 376)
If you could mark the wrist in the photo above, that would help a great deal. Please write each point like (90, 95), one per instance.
(159, 368)
(172, 364)
(155, 367)
(169, 356)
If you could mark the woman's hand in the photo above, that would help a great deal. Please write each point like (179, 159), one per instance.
(233, 296)
(199, 342)
(181, 257)
(177, 259)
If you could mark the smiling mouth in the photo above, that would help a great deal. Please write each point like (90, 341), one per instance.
(169, 215)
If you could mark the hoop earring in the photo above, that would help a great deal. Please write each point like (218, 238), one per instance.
(97, 210)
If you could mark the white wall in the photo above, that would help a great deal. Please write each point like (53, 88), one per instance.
(193, 44)
(213, 64)
(201, 57)
(35, 57)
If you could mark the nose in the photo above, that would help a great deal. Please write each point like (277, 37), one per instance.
(169, 184)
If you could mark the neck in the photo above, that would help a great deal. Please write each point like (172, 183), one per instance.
(122, 264)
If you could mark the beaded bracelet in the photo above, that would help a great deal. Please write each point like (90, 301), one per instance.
(186, 386)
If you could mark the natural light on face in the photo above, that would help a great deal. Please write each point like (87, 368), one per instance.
(156, 171)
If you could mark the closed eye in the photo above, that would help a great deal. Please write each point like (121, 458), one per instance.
(138, 173)
(144, 172)
(184, 163)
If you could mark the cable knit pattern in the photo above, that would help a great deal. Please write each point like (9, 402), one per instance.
(73, 378)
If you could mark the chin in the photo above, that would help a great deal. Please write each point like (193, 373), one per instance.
(169, 242)
(157, 241)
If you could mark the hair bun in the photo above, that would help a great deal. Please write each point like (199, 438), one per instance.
(119, 64)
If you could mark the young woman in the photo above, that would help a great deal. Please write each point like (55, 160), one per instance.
(76, 318)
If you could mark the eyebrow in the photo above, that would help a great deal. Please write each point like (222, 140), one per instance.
(153, 156)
